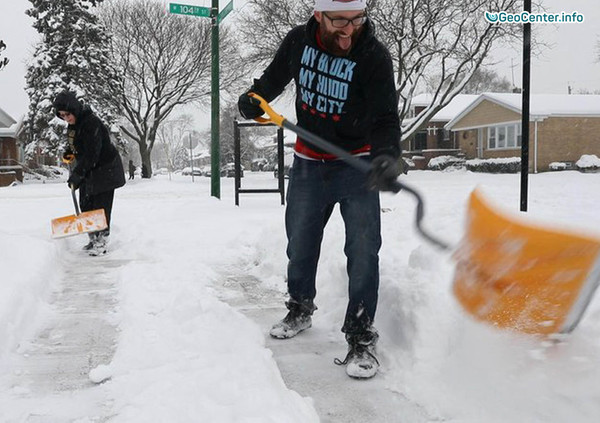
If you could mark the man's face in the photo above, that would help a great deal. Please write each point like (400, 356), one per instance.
(339, 30)
(67, 117)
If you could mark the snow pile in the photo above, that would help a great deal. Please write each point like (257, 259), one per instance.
(182, 354)
(28, 268)
(588, 161)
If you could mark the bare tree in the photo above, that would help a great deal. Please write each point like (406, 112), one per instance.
(165, 62)
(171, 140)
(448, 40)
(445, 41)
(3, 62)
(486, 80)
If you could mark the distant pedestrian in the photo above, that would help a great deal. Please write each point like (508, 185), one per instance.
(131, 170)
(98, 169)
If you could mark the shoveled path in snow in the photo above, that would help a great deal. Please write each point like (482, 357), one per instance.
(78, 335)
(306, 363)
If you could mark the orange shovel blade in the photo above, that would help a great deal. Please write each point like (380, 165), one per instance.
(525, 278)
(90, 221)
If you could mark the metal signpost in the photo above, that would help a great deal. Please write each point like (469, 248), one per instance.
(216, 18)
(525, 109)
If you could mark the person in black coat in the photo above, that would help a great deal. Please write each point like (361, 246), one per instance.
(131, 169)
(97, 169)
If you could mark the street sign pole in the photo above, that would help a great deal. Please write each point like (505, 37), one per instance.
(213, 13)
(215, 169)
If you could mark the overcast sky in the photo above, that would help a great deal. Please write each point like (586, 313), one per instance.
(572, 59)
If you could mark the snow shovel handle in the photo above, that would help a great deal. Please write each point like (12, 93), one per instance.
(77, 211)
(351, 160)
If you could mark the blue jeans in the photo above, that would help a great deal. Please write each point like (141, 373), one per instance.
(314, 189)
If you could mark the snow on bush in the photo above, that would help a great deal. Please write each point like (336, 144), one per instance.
(558, 166)
(588, 162)
(499, 165)
(444, 162)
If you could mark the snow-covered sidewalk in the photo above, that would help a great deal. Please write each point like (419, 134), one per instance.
(192, 284)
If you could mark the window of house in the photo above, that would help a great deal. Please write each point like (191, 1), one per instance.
(446, 135)
(501, 132)
(511, 140)
(504, 136)
(491, 138)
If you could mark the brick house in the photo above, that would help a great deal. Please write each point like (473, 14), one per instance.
(435, 140)
(562, 128)
(11, 153)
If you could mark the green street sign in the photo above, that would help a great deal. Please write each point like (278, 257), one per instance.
(184, 9)
(225, 11)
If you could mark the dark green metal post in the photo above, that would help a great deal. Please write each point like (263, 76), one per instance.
(215, 169)
(525, 110)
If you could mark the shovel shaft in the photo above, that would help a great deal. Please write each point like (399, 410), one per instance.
(77, 211)
(351, 160)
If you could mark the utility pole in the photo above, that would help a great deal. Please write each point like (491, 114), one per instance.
(525, 109)
(512, 71)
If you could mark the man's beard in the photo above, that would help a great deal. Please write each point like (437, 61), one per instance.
(330, 40)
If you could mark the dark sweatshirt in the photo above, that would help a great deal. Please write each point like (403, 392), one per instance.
(350, 101)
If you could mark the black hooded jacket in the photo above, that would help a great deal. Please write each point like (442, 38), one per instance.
(98, 163)
(350, 101)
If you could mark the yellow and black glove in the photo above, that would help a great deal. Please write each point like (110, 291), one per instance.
(68, 157)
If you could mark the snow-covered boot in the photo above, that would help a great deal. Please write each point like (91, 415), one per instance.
(98, 245)
(298, 319)
(361, 362)
(90, 244)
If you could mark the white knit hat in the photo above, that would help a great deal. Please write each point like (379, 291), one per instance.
(336, 5)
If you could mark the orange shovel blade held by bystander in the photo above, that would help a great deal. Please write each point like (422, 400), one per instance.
(78, 223)
(521, 277)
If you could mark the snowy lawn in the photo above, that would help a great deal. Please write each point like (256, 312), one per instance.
(183, 355)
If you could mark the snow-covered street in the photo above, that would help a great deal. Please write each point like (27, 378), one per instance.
(172, 325)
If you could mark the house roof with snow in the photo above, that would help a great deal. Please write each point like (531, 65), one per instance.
(9, 128)
(459, 103)
(5, 119)
(541, 106)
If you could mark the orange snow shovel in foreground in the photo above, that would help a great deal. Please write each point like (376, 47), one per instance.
(522, 277)
(510, 274)
(78, 223)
